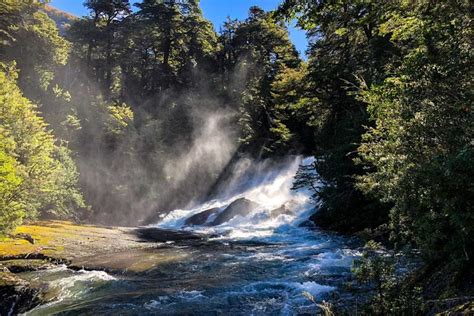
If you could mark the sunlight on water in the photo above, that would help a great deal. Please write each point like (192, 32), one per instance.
(270, 188)
(66, 285)
(256, 262)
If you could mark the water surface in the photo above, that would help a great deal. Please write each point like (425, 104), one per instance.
(253, 264)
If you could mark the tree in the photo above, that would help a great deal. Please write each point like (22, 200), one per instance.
(40, 54)
(36, 46)
(11, 212)
(346, 46)
(35, 180)
(260, 49)
(170, 43)
(12, 14)
(420, 149)
(288, 93)
(391, 107)
(98, 40)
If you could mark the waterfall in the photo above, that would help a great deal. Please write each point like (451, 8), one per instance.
(256, 259)
(267, 184)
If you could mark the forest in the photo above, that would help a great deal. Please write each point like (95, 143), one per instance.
(123, 115)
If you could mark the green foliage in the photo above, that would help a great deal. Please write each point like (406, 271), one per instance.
(391, 296)
(10, 181)
(159, 47)
(39, 176)
(99, 37)
(420, 149)
(33, 144)
(388, 93)
(63, 199)
(345, 45)
(12, 13)
(119, 117)
(35, 45)
(260, 48)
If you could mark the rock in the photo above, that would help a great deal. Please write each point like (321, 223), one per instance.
(282, 210)
(24, 236)
(240, 207)
(152, 234)
(25, 265)
(16, 295)
(201, 218)
(131, 262)
(91, 247)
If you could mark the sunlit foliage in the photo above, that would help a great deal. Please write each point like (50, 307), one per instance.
(38, 177)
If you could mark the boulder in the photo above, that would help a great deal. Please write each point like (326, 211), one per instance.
(153, 234)
(201, 218)
(25, 265)
(240, 207)
(282, 210)
(17, 295)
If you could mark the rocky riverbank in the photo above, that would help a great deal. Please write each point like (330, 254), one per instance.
(133, 253)
(43, 245)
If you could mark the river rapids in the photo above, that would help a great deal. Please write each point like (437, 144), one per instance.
(255, 261)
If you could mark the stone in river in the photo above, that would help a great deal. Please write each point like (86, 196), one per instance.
(201, 218)
(282, 210)
(240, 207)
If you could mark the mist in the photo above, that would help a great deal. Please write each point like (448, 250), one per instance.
(170, 155)
(153, 128)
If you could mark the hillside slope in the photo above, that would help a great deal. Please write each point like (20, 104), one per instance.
(63, 19)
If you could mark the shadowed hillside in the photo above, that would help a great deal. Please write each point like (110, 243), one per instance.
(63, 19)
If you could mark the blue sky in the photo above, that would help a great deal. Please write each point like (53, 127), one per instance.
(215, 10)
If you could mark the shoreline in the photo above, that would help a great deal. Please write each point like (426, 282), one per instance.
(47, 244)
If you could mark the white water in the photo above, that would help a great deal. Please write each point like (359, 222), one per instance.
(251, 265)
(64, 284)
(304, 254)
(269, 187)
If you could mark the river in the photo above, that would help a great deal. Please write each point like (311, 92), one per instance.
(258, 262)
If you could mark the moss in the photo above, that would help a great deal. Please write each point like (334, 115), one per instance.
(52, 238)
(13, 247)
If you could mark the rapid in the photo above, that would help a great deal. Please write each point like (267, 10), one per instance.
(259, 256)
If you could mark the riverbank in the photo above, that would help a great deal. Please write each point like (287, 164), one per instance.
(142, 253)
(443, 288)
(47, 244)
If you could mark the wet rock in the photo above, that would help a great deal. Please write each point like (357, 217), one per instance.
(202, 217)
(17, 295)
(25, 265)
(240, 207)
(282, 210)
(89, 247)
(152, 234)
(131, 262)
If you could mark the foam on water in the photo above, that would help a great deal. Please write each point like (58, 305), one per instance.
(262, 263)
(269, 187)
(68, 285)
(302, 254)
